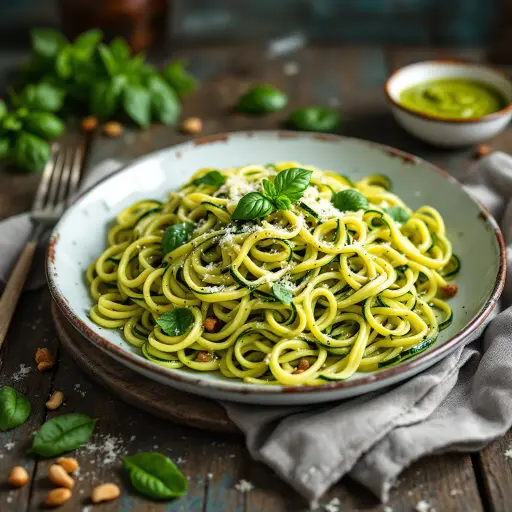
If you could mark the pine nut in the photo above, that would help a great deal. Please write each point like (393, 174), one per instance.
(89, 123)
(69, 464)
(58, 475)
(105, 492)
(113, 129)
(55, 400)
(58, 497)
(18, 477)
(192, 125)
(44, 359)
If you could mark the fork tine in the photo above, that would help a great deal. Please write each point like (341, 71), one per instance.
(42, 189)
(51, 203)
(64, 179)
(75, 173)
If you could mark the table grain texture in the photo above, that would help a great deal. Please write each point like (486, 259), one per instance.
(351, 76)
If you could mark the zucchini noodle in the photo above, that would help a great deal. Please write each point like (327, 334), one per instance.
(367, 291)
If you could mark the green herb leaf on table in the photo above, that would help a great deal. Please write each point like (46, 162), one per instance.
(292, 183)
(282, 293)
(349, 200)
(212, 179)
(262, 99)
(11, 123)
(252, 206)
(5, 147)
(179, 78)
(106, 96)
(176, 322)
(30, 151)
(398, 214)
(88, 40)
(165, 105)
(175, 236)
(155, 476)
(14, 408)
(109, 61)
(3, 109)
(63, 63)
(46, 42)
(137, 104)
(43, 96)
(62, 434)
(44, 124)
(120, 50)
(315, 119)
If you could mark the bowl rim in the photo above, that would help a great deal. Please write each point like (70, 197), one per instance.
(241, 388)
(433, 117)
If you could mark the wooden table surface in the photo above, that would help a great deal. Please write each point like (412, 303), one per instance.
(214, 463)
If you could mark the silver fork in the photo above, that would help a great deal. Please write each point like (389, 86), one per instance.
(57, 188)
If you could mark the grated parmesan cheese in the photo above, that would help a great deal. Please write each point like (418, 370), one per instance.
(22, 372)
(244, 486)
(424, 506)
(333, 505)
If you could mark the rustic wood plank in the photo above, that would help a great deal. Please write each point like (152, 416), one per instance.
(30, 329)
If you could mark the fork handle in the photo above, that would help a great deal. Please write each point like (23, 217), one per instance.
(14, 287)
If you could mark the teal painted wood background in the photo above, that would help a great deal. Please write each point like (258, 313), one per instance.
(439, 22)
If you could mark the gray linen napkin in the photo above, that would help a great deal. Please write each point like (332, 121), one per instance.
(462, 403)
(374, 437)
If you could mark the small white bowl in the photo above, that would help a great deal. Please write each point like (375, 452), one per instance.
(438, 130)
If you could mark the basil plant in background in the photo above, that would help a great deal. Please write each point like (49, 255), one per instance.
(82, 77)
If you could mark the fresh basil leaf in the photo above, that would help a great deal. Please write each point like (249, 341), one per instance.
(30, 151)
(134, 65)
(63, 65)
(108, 60)
(292, 183)
(43, 96)
(165, 105)
(14, 407)
(11, 123)
(349, 200)
(47, 42)
(282, 293)
(262, 99)
(137, 104)
(282, 203)
(178, 78)
(175, 236)
(5, 147)
(176, 322)
(120, 50)
(155, 476)
(315, 119)
(3, 109)
(88, 40)
(62, 434)
(398, 214)
(269, 189)
(252, 206)
(106, 96)
(212, 179)
(44, 124)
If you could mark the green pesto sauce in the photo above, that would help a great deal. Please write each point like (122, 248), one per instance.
(453, 98)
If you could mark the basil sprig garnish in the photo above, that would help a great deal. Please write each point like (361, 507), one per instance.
(62, 434)
(212, 179)
(155, 476)
(261, 99)
(287, 188)
(176, 235)
(14, 408)
(176, 322)
(349, 200)
(398, 214)
(282, 293)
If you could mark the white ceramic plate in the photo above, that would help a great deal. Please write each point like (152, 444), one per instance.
(80, 237)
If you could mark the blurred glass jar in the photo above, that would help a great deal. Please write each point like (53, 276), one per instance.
(143, 23)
